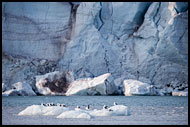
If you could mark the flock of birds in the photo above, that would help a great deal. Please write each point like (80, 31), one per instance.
(65, 111)
(78, 107)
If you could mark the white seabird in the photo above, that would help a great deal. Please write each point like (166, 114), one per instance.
(58, 104)
(115, 103)
(63, 105)
(48, 104)
(110, 110)
(88, 107)
(105, 107)
(42, 104)
(77, 108)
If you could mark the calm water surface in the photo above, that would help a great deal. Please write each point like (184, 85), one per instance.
(144, 110)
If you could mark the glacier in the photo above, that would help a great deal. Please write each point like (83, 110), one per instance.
(148, 42)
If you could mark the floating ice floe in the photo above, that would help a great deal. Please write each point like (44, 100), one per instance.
(75, 114)
(120, 110)
(42, 110)
(117, 110)
(32, 110)
(102, 112)
(56, 111)
(63, 112)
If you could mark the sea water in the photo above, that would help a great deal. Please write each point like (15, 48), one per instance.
(144, 110)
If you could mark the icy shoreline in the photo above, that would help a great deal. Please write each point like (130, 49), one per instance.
(59, 83)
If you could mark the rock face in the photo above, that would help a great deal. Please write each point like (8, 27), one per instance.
(100, 85)
(54, 83)
(21, 89)
(23, 70)
(148, 42)
(134, 87)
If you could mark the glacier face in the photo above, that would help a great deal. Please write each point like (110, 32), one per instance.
(131, 40)
(109, 39)
(30, 26)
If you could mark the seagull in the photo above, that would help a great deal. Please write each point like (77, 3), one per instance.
(88, 106)
(115, 103)
(52, 104)
(42, 104)
(110, 110)
(105, 107)
(77, 108)
(63, 105)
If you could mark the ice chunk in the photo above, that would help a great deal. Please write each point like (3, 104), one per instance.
(54, 83)
(56, 111)
(117, 110)
(180, 93)
(74, 114)
(3, 87)
(88, 86)
(20, 88)
(134, 87)
(102, 112)
(43, 110)
(120, 110)
(32, 110)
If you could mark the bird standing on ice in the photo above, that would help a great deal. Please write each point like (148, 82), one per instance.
(110, 110)
(58, 104)
(115, 103)
(42, 104)
(105, 107)
(48, 104)
(77, 108)
(88, 107)
(52, 104)
(63, 105)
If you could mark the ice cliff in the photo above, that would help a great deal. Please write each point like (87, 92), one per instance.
(145, 41)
